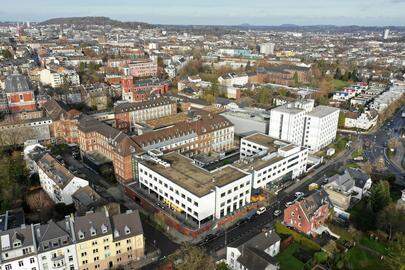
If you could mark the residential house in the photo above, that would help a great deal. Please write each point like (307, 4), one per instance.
(365, 120)
(18, 249)
(256, 253)
(57, 181)
(342, 189)
(308, 214)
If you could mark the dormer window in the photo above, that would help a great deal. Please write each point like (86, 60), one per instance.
(17, 243)
(81, 235)
(92, 231)
(116, 233)
(104, 228)
(127, 230)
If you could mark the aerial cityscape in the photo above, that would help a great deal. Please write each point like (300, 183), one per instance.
(211, 135)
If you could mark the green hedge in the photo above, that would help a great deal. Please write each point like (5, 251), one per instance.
(298, 238)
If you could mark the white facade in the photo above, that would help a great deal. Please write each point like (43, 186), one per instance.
(233, 253)
(303, 124)
(273, 164)
(18, 249)
(267, 48)
(56, 79)
(63, 258)
(220, 201)
(232, 79)
(287, 124)
(364, 121)
(55, 192)
(320, 127)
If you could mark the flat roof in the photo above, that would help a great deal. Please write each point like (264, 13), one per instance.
(194, 179)
(167, 120)
(263, 140)
(260, 163)
(321, 111)
(288, 109)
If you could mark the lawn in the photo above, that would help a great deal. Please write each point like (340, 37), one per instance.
(357, 153)
(352, 165)
(339, 85)
(359, 259)
(287, 260)
(374, 244)
(344, 233)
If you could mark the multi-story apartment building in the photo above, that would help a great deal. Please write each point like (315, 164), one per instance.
(96, 136)
(20, 96)
(320, 127)
(94, 241)
(64, 121)
(364, 120)
(18, 249)
(128, 114)
(303, 124)
(270, 160)
(208, 133)
(199, 194)
(56, 245)
(55, 77)
(231, 79)
(287, 123)
(57, 181)
(142, 68)
(103, 242)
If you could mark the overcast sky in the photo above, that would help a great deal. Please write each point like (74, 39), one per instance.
(257, 12)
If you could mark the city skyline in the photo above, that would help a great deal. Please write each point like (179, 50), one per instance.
(225, 12)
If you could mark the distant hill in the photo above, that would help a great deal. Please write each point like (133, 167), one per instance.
(83, 21)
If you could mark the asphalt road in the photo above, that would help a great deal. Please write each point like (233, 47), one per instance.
(256, 224)
(378, 144)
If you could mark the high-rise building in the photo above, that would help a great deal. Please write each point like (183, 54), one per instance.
(266, 48)
(303, 124)
(386, 33)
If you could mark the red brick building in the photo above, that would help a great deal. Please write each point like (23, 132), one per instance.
(98, 137)
(140, 90)
(64, 122)
(20, 96)
(308, 214)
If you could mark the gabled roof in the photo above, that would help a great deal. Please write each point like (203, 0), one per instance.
(55, 170)
(24, 234)
(252, 258)
(313, 202)
(16, 83)
(91, 226)
(126, 225)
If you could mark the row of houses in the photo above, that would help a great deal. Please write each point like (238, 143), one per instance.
(93, 241)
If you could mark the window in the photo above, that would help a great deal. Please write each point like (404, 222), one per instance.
(223, 194)
(32, 260)
(8, 267)
(195, 204)
(20, 263)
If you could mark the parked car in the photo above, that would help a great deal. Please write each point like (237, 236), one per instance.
(261, 210)
(277, 213)
(299, 194)
(289, 203)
